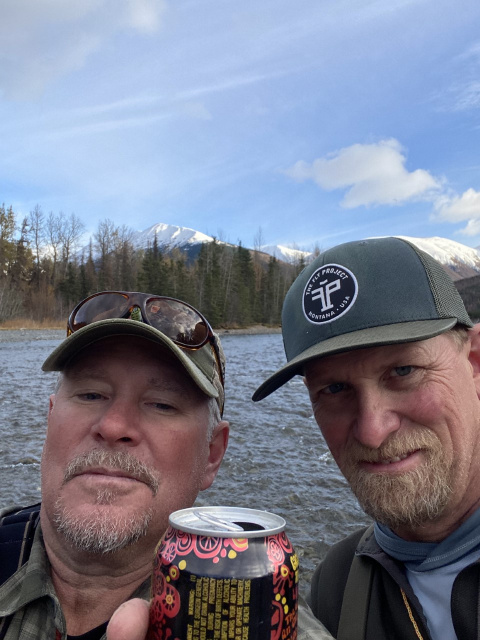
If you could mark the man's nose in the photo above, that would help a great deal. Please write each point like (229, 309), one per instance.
(376, 418)
(118, 423)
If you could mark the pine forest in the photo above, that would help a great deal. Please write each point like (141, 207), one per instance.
(44, 274)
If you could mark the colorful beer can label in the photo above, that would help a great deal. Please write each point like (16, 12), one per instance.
(207, 586)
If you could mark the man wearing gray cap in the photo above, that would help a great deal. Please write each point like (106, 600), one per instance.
(134, 433)
(391, 361)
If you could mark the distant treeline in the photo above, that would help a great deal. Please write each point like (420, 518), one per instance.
(469, 289)
(42, 276)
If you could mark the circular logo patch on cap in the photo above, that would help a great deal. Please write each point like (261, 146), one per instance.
(330, 292)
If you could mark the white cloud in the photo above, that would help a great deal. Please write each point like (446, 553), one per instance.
(472, 228)
(144, 15)
(42, 40)
(455, 208)
(373, 174)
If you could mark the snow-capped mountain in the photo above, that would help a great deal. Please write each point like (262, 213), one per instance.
(459, 260)
(287, 254)
(169, 236)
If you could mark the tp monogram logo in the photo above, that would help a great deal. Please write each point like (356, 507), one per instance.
(330, 292)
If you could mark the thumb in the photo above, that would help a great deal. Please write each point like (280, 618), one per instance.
(129, 621)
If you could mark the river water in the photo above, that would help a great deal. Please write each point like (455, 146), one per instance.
(276, 459)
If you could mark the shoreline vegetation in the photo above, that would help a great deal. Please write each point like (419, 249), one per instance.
(19, 324)
(43, 274)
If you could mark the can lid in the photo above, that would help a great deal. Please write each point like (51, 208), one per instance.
(227, 522)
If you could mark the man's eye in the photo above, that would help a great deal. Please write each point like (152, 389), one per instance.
(162, 406)
(90, 396)
(404, 371)
(336, 387)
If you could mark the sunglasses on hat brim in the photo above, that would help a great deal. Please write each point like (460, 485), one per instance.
(180, 322)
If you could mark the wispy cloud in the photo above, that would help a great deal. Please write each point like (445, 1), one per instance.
(467, 97)
(463, 91)
(43, 40)
(235, 82)
(372, 174)
(458, 208)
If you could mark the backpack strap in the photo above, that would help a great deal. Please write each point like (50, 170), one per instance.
(353, 615)
(17, 529)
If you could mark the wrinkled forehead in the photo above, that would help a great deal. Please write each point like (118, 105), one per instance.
(138, 348)
(394, 354)
(134, 357)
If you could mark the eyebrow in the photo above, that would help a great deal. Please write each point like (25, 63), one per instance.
(159, 384)
(168, 385)
(85, 372)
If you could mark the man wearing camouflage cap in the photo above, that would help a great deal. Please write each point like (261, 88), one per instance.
(391, 361)
(134, 432)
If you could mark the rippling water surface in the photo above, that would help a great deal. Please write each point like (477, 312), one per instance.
(276, 459)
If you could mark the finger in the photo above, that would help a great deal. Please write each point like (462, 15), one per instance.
(129, 621)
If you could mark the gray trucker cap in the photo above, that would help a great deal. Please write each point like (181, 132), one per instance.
(363, 294)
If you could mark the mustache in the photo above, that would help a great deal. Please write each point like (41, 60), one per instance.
(396, 445)
(120, 460)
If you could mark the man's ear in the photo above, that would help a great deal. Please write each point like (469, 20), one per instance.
(51, 403)
(474, 355)
(218, 446)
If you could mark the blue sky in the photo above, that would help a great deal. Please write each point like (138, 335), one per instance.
(314, 121)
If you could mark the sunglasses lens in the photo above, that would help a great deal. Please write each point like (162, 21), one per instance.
(177, 321)
(101, 307)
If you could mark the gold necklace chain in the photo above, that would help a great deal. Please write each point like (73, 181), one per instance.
(410, 615)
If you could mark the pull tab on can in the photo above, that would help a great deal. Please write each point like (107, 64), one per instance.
(217, 522)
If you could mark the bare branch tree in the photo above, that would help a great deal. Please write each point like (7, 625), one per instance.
(36, 232)
(53, 235)
(106, 238)
(258, 239)
(72, 229)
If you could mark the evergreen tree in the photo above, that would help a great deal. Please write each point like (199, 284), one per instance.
(269, 300)
(8, 247)
(243, 287)
(182, 281)
(21, 268)
(87, 277)
(69, 287)
(153, 276)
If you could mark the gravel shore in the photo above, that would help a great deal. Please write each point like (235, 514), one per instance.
(250, 331)
(21, 334)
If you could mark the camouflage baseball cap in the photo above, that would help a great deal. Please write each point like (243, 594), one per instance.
(101, 319)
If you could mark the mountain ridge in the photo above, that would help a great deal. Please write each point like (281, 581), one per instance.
(457, 259)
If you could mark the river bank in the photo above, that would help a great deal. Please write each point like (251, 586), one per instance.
(27, 325)
(249, 331)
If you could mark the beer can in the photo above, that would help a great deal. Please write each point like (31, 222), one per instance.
(224, 573)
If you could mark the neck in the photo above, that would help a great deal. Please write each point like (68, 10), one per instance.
(86, 603)
(438, 529)
(91, 586)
